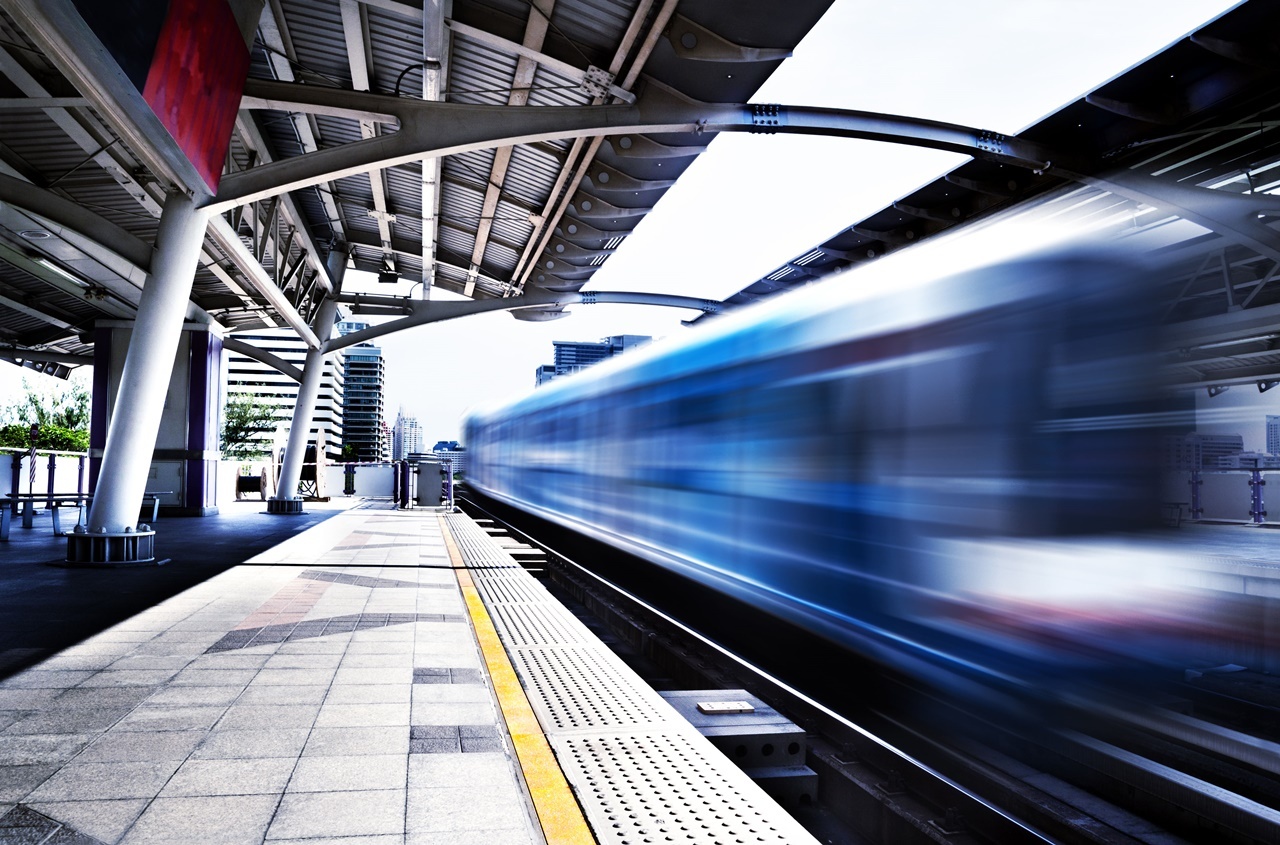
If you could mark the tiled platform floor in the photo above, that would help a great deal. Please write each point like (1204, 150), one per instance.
(330, 690)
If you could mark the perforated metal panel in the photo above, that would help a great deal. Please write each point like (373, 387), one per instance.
(506, 590)
(641, 773)
(632, 791)
(578, 688)
(538, 624)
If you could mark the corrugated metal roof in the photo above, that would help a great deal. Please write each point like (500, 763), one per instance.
(305, 42)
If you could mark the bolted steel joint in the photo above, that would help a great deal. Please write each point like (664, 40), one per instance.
(766, 118)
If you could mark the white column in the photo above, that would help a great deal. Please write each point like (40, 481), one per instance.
(309, 389)
(135, 418)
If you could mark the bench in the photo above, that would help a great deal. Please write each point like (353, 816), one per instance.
(55, 502)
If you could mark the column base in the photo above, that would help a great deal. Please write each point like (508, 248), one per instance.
(125, 548)
(284, 506)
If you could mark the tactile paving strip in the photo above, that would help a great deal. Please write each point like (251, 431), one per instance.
(578, 688)
(641, 773)
(632, 792)
(539, 624)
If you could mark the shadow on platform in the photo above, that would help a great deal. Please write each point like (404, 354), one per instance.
(44, 609)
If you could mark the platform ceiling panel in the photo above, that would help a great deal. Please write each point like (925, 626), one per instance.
(502, 207)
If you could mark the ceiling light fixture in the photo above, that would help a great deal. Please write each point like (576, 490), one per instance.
(63, 272)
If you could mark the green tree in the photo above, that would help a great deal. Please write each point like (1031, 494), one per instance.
(63, 417)
(243, 417)
(68, 408)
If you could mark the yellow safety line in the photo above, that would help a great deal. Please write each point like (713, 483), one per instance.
(558, 811)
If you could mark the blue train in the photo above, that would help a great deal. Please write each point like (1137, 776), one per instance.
(926, 471)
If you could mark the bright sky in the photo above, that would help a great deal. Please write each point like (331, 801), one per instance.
(752, 202)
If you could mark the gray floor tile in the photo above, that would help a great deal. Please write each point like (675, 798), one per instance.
(84, 781)
(314, 814)
(215, 677)
(251, 716)
(341, 774)
(105, 821)
(259, 776)
(449, 713)
(293, 677)
(17, 781)
(103, 697)
(128, 678)
(380, 647)
(304, 661)
(283, 695)
(195, 696)
(373, 661)
(52, 679)
(482, 771)
(455, 809)
(26, 699)
(506, 836)
(357, 741)
(369, 694)
(384, 675)
(141, 747)
(170, 717)
(233, 744)
(231, 660)
(362, 715)
(221, 820)
(328, 644)
(426, 694)
(25, 749)
(70, 720)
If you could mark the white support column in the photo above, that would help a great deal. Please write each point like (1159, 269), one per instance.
(112, 535)
(285, 500)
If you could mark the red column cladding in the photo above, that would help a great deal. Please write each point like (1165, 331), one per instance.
(196, 80)
(188, 59)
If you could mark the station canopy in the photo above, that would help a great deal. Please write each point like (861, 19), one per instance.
(81, 195)
(1179, 154)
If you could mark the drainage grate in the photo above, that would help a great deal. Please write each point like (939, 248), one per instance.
(632, 791)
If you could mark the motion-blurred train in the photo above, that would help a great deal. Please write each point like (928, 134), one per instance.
(925, 471)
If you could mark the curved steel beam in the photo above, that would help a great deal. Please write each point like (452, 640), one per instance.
(435, 311)
(74, 216)
(262, 356)
(436, 129)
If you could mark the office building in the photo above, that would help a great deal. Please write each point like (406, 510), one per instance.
(1199, 451)
(408, 436)
(572, 356)
(363, 404)
(247, 375)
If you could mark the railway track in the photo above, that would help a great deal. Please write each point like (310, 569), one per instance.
(897, 764)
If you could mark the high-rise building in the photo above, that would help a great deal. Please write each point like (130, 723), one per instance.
(1199, 451)
(572, 355)
(388, 439)
(362, 409)
(408, 436)
(247, 375)
(1273, 434)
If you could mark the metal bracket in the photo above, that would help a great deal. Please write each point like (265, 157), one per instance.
(765, 118)
(597, 82)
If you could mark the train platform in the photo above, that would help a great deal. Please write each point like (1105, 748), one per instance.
(371, 676)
